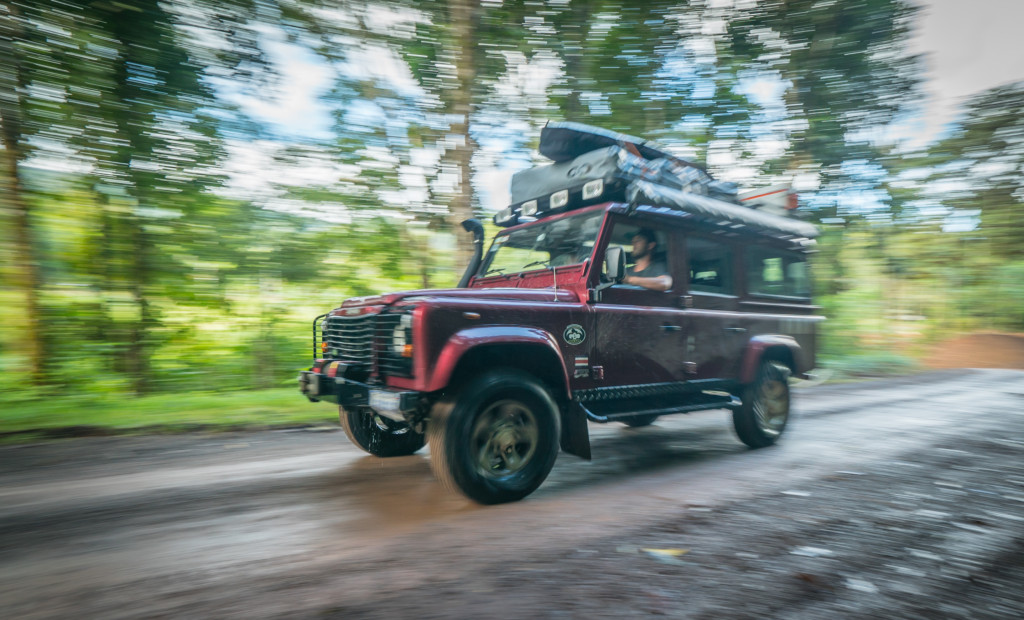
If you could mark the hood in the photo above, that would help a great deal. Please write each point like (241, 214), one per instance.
(483, 294)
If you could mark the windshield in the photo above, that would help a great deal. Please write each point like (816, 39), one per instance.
(566, 241)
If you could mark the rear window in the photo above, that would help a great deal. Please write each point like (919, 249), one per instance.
(710, 266)
(771, 272)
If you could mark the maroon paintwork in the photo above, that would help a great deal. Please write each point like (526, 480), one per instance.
(633, 336)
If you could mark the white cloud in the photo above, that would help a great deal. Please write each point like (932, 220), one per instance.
(970, 47)
(291, 106)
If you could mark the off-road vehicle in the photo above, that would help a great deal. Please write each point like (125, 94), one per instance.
(542, 336)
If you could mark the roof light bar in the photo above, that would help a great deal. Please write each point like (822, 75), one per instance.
(593, 189)
(559, 199)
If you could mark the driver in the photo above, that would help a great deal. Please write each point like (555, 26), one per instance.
(646, 271)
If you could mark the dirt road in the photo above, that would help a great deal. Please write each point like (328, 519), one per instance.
(900, 498)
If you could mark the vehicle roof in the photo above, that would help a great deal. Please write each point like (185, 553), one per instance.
(710, 214)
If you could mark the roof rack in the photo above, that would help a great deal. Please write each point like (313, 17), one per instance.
(593, 166)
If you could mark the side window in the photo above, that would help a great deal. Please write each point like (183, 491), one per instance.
(710, 266)
(773, 272)
(625, 234)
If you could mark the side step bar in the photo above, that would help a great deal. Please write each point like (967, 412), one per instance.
(725, 403)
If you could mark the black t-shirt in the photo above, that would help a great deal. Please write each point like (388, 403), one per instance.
(655, 269)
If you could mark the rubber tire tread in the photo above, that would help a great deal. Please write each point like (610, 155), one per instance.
(364, 433)
(743, 417)
(448, 434)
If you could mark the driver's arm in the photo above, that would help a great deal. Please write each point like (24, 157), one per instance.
(657, 283)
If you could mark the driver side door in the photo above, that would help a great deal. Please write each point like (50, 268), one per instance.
(641, 333)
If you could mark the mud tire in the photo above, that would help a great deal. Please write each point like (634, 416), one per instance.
(761, 419)
(377, 435)
(496, 440)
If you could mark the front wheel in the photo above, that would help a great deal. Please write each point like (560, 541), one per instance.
(378, 435)
(497, 439)
(762, 417)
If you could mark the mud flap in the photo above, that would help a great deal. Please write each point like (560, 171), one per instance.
(575, 438)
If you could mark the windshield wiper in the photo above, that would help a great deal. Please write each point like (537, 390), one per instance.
(538, 262)
(497, 270)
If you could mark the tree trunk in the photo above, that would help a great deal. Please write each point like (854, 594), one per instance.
(464, 15)
(139, 351)
(26, 275)
(577, 71)
(131, 127)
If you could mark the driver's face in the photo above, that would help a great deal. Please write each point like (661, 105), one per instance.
(641, 247)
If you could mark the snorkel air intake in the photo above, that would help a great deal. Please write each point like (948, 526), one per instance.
(473, 226)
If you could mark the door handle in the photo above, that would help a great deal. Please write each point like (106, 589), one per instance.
(736, 330)
(671, 328)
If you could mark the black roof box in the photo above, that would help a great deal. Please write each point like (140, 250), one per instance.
(563, 141)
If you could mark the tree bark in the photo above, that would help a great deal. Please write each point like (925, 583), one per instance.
(464, 16)
(130, 129)
(27, 274)
(577, 71)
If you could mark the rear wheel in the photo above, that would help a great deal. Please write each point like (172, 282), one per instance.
(497, 439)
(378, 435)
(763, 416)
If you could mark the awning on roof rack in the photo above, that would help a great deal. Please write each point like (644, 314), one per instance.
(646, 193)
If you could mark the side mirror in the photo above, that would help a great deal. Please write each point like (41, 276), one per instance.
(615, 263)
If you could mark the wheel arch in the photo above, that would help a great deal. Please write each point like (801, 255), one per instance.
(783, 349)
(532, 350)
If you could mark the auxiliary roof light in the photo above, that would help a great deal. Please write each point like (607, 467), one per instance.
(593, 189)
(505, 216)
(529, 208)
(559, 199)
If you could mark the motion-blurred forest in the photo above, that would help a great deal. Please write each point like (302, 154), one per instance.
(163, 229)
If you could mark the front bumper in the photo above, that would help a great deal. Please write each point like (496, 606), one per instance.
(351, 394)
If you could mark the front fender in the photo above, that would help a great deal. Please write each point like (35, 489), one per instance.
(758, 345)
(463, 341)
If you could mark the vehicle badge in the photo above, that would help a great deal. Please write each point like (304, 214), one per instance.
(574, 334)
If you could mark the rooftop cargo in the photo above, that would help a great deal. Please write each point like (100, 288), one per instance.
(593, 165)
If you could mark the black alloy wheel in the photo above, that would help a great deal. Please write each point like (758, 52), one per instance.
(497, 439)
(763, 416)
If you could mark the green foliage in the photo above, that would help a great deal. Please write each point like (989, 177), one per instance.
(150, 273)
(868, 364)
(982, 166)
(167, 412)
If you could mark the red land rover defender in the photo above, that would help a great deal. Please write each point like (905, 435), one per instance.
(542, 336)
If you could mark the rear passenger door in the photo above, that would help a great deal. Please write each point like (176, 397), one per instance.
(717, 333)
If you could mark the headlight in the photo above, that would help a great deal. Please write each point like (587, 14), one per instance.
(401, 336)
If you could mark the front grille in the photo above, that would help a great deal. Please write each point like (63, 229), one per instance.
(367, 338)
(349, 338)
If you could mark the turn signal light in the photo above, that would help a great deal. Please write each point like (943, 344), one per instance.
(407, 350)
(323, 347)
